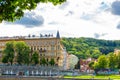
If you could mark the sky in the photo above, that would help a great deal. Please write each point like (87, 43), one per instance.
(98, 19)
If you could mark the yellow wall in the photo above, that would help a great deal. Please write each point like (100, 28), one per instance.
(47, 47)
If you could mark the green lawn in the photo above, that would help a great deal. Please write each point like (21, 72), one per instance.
(114, 77)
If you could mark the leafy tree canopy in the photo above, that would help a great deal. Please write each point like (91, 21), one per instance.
(43, 61)
(89, 47)
(102, 63)
(118, 60)
(52, 62)
(91, 65)
(112, 60)
(11, 10)
(72, 61)
(22, 50)
(9, 51)
(35, 58)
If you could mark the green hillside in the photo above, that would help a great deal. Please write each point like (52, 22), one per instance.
(89, 47)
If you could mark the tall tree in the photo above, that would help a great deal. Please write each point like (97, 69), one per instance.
(73, 60)
(8, 53)
(96, 65)
(11, 10)
(26, 54)
(112, 61)
(22, 50)
(5, 59)
(43, 61)
(102, 63)
(35, 58)
(52, 62)
(118, 60)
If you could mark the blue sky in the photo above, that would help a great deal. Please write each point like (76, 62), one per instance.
(75, 18)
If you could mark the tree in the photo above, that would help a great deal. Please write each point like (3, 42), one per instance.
(11, 10)
(35, 58)
(26, 54)
(102, 63)
(9, 51)
(52, 62)
(85, 47)
(43, 61)
(96, 65)
(73, 60)
(96, 53)
(112, 61)
(5, 59)
(118, 60)
(22, 50)
(91, 64)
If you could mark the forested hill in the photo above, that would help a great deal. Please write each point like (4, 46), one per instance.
(89, 47)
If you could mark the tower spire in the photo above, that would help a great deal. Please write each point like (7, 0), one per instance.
(58, 35)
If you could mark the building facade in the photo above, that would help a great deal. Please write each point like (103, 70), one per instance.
(84, 65)
(47, 46)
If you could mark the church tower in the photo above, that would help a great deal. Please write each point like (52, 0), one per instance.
(58, 35)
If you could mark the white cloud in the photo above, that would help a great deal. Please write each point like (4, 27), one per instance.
(75, 18)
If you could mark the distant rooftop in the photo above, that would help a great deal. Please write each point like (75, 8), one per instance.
(28, 37)
(31, 36)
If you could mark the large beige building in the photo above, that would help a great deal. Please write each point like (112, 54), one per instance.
(47, 46)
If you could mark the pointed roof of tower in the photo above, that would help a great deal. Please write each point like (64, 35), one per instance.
(58, 35)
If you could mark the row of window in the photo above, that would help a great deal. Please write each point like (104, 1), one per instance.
(48, 54)
(45, 48)
(41, 42)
